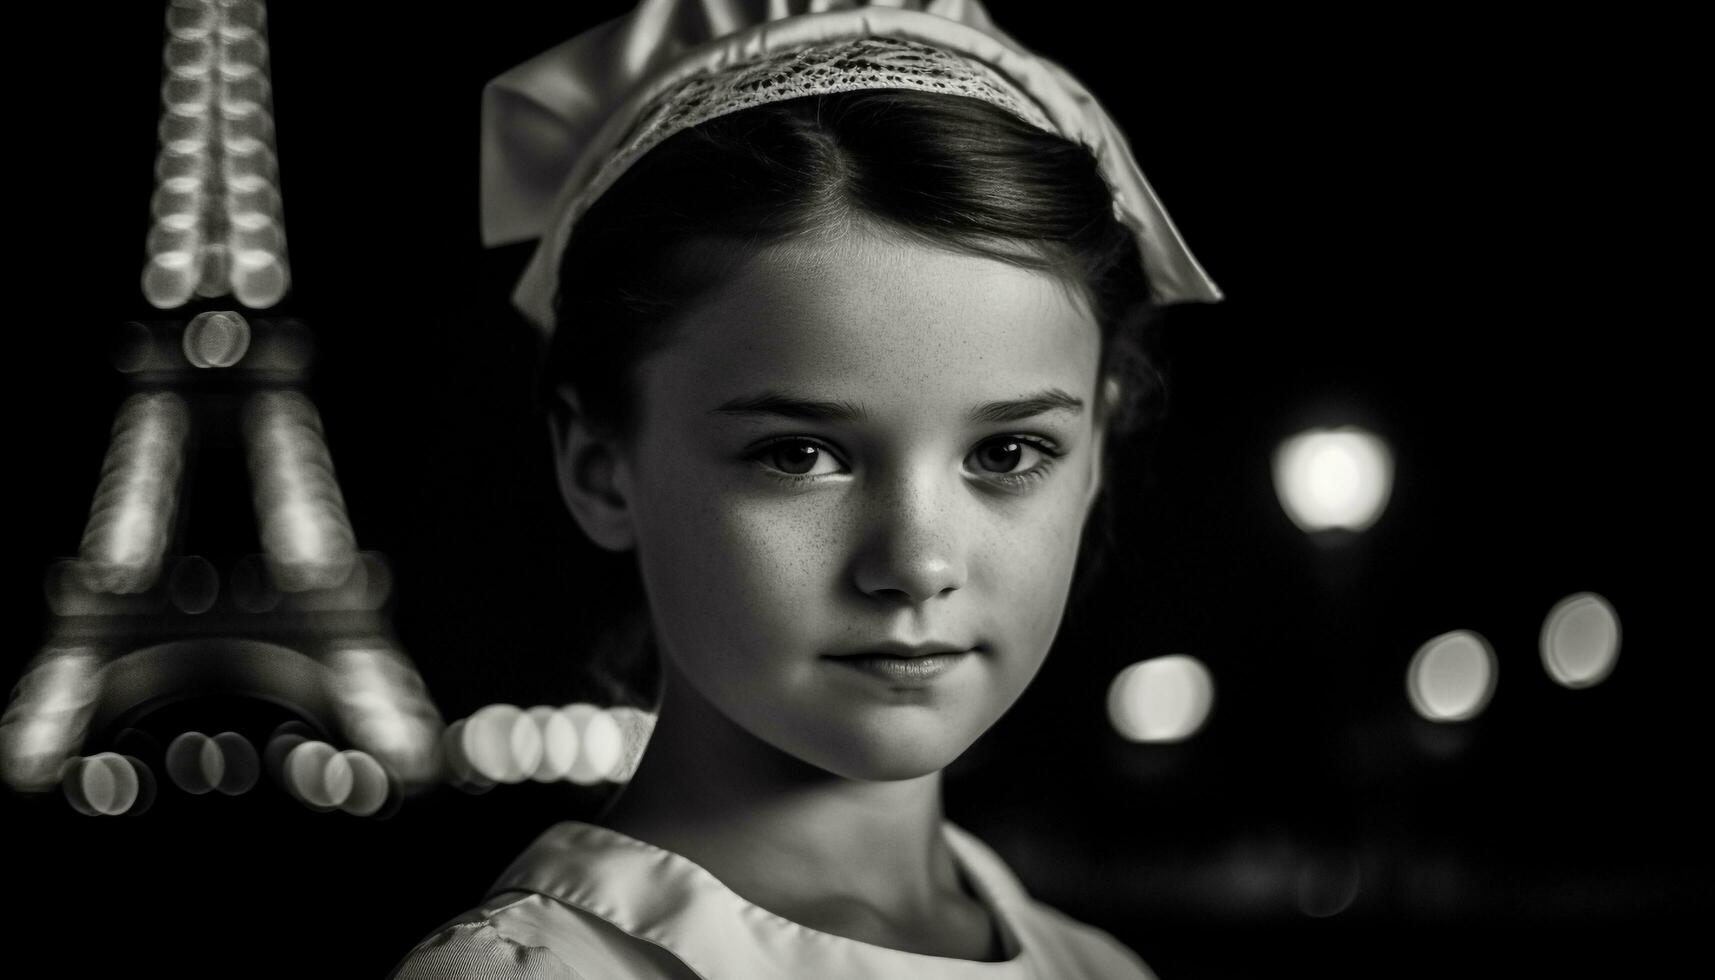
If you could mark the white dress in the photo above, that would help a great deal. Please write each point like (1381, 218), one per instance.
(587, 903)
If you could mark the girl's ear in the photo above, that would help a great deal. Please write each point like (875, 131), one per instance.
(594, 476)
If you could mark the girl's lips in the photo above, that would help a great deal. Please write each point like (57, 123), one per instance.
(907, 670)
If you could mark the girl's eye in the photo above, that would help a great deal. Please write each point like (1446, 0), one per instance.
(797, 459)
(1000, 457)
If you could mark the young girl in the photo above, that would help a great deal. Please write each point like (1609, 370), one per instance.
(845, 312)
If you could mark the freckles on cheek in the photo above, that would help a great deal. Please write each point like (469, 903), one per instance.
(776, 549)
(747, 565)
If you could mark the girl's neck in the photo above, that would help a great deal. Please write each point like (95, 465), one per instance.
(781, 833)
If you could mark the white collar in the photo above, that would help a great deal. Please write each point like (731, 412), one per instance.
(667, 899)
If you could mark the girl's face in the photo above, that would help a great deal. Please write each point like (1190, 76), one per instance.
(857, 443)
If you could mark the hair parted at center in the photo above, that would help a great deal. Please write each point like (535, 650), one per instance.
(942, 171)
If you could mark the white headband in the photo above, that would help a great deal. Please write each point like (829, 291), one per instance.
(558, 129)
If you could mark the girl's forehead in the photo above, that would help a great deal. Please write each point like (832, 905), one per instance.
(861, 311)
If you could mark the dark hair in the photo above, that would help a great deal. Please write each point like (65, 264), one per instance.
(943, 170)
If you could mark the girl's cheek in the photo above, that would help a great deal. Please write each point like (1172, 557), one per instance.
(761, 550)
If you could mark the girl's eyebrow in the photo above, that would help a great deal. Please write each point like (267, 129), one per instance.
(785, 405)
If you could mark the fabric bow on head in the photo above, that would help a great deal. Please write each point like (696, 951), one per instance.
(558, 129)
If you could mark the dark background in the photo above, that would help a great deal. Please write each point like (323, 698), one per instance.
(1449, 232)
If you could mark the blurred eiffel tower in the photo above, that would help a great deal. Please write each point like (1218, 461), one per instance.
(299, 627)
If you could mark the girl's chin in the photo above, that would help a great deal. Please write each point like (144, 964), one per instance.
(885, 759)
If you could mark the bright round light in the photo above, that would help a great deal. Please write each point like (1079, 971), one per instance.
(601, 743)
(259, 278)
(368, 783)
(337, 779)
(1452, 677)
(242, 767)
(195, 763)
(118, 787)
(190, 21)
(1164, 699)
(1580, 640)
(170, 278)
(559, 744)
(306, 772)
(1333, 478)
(502, 743)
(216, 339)
(104, 784)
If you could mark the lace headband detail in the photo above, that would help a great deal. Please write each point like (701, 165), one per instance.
(561, 128)
(846, 66)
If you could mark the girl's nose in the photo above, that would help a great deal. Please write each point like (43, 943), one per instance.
(913, 546)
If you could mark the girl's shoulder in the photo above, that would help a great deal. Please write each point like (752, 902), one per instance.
(524, 934)
(1067, 946)
(1074, 948)
(588, 904)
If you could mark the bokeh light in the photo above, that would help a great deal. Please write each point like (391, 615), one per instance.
(1163, 699)
(126, 538)
(242, 767)
(1451, 677)
(583, 743)
(216, 102)
(559, 744)
(305, 532)
(190, 21)
(369, 784)
(169, 278)
(1580, 640)
(49, 715)
(195, 763)
(115, 791)
(337, 779)
(384, 708)
(259, 277)
(307, 772)
(285, 737)
(216, 339)
(1333, 478)
(601, 744)
(255, 231)
(105, 784)
(175, 232)
(502, 743)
